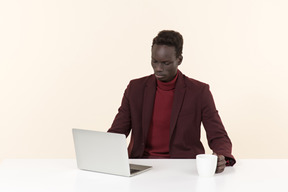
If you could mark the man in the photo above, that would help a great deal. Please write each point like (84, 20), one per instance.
(164, 111)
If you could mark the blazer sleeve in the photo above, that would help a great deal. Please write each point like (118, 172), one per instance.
(122, 121)
(217, 136)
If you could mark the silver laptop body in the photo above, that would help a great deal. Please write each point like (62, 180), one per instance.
(104, 152)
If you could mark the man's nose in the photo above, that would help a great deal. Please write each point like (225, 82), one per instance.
(158, 66)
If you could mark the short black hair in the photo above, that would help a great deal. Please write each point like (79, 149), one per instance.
(170, 38)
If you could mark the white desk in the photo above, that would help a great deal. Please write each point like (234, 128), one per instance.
(167, 175)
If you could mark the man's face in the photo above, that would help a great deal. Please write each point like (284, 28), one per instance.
(164, 62)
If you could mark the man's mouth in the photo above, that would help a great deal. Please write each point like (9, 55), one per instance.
(159, 76)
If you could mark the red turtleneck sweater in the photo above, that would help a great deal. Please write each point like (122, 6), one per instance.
(157, 145)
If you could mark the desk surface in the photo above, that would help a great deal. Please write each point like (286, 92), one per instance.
(167, 175)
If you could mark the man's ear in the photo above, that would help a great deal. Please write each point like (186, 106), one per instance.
(180, 59)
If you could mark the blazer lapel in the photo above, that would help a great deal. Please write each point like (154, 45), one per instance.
(177, 102)
(148, 105)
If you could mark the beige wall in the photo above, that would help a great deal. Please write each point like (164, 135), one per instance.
(65, 64)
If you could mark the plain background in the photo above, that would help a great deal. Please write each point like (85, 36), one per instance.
(65, 64)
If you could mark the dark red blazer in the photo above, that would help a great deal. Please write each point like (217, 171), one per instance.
(193, 103)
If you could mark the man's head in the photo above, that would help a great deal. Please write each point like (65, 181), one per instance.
(166, 54)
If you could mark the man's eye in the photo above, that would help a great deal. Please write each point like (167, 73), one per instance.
(166, 63)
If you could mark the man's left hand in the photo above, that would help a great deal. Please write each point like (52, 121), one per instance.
(221, 163)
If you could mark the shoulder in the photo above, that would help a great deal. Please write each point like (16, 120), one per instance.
(137, 86)
(196, 88)
(193, 83)
(142, 80)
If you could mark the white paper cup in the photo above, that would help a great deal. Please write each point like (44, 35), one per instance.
(206, 165)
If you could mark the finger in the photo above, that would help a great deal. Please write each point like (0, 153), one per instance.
(221, 164)
(221, 158)
(220, 169)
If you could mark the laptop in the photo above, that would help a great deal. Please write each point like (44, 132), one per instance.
(104, 152)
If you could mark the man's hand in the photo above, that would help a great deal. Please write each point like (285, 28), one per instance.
(221, 163)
